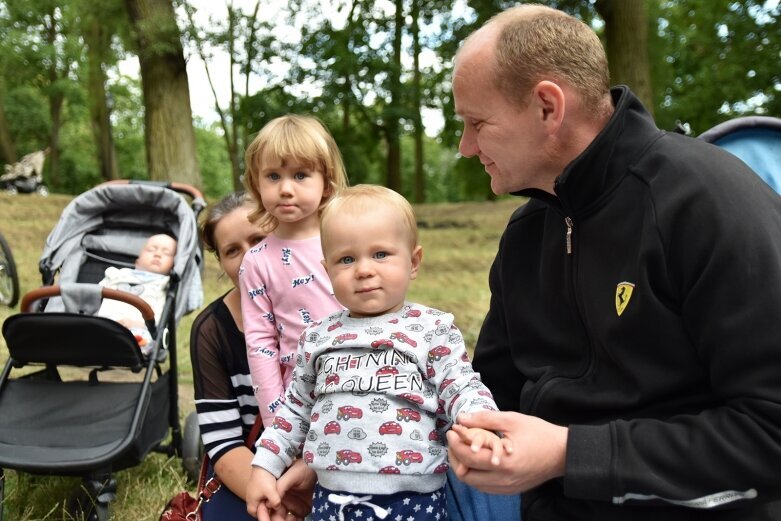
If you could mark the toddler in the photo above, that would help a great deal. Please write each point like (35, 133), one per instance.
(376, 384)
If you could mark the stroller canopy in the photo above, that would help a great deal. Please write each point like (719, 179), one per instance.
(136, 211)
(754, 139)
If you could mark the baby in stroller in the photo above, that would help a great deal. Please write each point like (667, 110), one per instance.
(148, 280)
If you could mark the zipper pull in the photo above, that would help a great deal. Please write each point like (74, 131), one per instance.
(568, 222)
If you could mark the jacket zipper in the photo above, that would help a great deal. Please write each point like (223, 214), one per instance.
(568, 222)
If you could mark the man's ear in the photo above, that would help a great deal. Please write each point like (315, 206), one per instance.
(550, 101)
(417, 259)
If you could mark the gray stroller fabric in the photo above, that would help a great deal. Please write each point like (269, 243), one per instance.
(142, 209)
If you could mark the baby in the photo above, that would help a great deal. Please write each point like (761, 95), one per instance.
(148, 280)
(376, 384)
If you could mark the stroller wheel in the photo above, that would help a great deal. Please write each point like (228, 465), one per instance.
(192, 448)
(9, 278)
(42, 190)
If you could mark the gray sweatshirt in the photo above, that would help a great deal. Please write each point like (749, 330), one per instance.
(371, 399)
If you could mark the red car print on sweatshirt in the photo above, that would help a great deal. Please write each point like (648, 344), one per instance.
(345, 457)
(437, 353)
(343, 338)
(390, 469)
(270, 445)
(414, 398)
(332, 427)
(390, 427)
(411, 313)
(334, 326)
(281, 423)
(309, 457)
(332, 379)
(407, 414)
(408, 457)
(441, 468)
(383, 342)
(348, 411)
(401, 337)
(388, 369)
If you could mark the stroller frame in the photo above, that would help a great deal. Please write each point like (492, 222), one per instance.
(124, 421)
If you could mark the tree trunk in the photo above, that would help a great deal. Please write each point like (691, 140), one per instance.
(626, 41)
(420, 175)
(56, 98)
(393, 113)
(7, 148)
(96, 39)
(169, 135)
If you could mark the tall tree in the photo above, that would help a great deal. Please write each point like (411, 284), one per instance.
(98, 26)
(626, 43)
(169, 135)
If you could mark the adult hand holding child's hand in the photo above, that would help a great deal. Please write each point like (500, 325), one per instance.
(538, 452)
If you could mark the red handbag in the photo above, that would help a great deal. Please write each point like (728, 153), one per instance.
(184, 507)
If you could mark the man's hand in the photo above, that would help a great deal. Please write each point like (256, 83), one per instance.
(538, 452)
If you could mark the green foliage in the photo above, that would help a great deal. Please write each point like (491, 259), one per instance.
(213, 158)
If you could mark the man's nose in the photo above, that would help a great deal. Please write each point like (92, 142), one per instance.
(467, 147)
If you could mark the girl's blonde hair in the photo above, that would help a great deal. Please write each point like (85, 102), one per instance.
(301, 140)
(360, 199)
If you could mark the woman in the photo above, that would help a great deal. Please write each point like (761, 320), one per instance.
(224, 400)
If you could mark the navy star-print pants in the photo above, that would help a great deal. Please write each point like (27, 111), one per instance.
(330, 505)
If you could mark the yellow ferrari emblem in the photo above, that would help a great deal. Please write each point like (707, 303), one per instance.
(623, 294)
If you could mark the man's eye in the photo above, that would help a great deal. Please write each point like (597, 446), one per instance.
(346, 260)
(380, 255)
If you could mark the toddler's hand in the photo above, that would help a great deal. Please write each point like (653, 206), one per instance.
(262, 495)
(478, 438)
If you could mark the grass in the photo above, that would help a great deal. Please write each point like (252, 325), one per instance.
(459, 243)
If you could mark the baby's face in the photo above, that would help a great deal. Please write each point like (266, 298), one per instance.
(370, 260)
(157, 255)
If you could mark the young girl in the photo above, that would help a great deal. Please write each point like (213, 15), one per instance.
(293, 168)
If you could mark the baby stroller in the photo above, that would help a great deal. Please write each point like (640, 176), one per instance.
(754, 139)
(77, 396)
(26, 176)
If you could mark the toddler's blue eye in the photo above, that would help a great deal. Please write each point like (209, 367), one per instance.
(346, 260)
(300, 175)
(380, 255)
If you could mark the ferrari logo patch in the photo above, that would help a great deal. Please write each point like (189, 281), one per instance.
(623, 294)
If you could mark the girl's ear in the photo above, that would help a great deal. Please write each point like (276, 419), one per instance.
(417, 259)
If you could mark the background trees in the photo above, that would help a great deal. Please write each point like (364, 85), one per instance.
(373, 70)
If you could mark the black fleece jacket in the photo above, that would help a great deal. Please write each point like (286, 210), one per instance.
(672, 393)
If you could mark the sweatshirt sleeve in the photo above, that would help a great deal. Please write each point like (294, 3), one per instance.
(459, 386)
(282, 442)
(261, 334)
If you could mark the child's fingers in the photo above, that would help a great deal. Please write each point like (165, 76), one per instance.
(463, 433)
(497, 448)
(479, 440)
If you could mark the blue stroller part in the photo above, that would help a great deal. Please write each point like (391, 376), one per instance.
(60, 416)
(756, 140)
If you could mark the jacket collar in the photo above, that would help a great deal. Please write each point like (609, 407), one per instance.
(592, 176)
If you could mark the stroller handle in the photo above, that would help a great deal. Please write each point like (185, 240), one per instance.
(52, 291)
(182, 188)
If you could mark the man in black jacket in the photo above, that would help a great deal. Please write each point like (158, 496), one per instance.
(634, 333)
